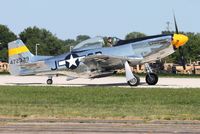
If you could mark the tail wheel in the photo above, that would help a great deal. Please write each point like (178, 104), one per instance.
(134, 82)
(151, 79)
(49, 81)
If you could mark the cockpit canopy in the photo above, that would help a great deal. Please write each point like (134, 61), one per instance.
(93, 43)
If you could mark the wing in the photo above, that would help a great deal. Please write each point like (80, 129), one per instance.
(107, 62)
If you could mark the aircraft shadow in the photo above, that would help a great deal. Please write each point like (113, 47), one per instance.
(24, 84)
(89, 85)
(107, 84)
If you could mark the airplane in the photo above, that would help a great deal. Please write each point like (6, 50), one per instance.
(91, 59)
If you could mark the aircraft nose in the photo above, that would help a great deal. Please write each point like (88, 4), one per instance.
(179, 40)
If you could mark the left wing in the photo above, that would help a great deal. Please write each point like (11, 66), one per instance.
(108, 62)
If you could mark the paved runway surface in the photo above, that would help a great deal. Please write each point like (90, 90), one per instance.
(107, 81)
(100, 127)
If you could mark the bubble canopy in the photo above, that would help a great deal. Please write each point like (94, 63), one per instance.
(96, 42)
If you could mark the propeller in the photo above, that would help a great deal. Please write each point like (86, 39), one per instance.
(181, 53)
(176, 27)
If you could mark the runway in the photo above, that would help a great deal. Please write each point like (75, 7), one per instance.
(106, 81)
(100, 127)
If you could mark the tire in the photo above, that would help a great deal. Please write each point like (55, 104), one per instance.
(151, 79)
(134, 82)
(49, 81)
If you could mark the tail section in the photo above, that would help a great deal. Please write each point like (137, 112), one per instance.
(18, 55)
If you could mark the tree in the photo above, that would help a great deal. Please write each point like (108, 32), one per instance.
(134, 35)
(6, 36)
(190, 49)
(68, 43)
(49, 43)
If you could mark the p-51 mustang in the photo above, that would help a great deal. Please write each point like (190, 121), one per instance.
(89, 59)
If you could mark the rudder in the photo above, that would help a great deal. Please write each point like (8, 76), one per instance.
(18, 55)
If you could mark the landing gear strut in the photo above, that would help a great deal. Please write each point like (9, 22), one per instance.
(49, 81)
(132, 79)
(151, 78)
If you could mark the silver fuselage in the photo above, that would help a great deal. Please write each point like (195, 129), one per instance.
(137, 52)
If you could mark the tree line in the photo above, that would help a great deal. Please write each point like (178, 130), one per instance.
(50, 44)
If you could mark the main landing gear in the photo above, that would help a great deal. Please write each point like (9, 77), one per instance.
(49, 80)
(134, 80)
(131, 79)
(151, 78)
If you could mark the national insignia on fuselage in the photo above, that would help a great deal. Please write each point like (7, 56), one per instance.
(71, 61)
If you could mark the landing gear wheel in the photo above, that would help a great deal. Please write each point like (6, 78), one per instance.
(134, 82)
(151, 79)
(49, 81)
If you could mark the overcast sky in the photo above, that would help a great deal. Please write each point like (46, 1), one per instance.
(69, 18)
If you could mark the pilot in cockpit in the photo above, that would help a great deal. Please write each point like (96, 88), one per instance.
(111, 41)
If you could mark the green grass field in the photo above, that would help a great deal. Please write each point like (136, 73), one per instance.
(100, 103)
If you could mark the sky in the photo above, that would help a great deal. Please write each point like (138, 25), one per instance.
(70, 18)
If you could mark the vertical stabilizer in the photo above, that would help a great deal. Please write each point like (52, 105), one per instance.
(18, 55)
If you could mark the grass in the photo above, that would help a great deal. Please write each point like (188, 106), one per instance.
(100, 103)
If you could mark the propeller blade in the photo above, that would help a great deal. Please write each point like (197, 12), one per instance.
(176, 26)
(182, 58)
